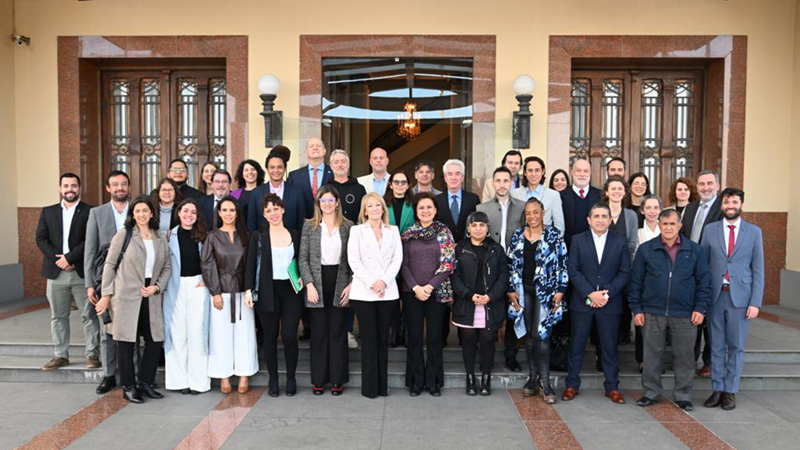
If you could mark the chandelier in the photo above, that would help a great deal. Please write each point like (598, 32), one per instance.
(408, 122)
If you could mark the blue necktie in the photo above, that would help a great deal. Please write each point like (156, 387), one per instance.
(454, 208)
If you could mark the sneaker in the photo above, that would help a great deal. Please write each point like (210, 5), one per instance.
(93, 362)
(351, 341)
(55, 363)
(705, 372)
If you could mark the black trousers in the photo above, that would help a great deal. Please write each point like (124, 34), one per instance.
(286, 318)
(510, 341)
(469, 348)
(329, 359)
(148, 363)
(374, 319)
(704, 331)
(421, 374)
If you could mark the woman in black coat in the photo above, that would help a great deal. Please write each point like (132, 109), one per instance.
(480, 283)
(267, 282)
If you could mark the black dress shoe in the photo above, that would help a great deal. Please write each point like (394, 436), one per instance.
(414, 392)
(471, 390)
(132, 394)
(291, 387)
(435, 391)
(273, 390)
(106, 385)
(513, 365)
(149, 390)
(714, 400)
(186, 391)
(685, 405)
(645, 401)
(193, 392)
(486, 384)
(728, 401)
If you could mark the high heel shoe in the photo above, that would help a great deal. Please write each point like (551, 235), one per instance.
(337, 389)
(244, 386)
(274, 389)
(291, 387)
(225, 386)
(318, 390)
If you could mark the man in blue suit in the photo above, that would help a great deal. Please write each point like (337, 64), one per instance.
(293, 204)
(599, 268)
(736, 261)
(312, 176)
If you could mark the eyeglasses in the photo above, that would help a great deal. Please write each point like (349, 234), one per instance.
(400, 182)
(327, 200)
(178, 170)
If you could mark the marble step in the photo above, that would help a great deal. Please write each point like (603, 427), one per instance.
(755, 377)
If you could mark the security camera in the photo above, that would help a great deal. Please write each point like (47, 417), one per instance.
(21, 40)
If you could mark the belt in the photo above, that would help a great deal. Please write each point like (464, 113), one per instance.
(726, 287)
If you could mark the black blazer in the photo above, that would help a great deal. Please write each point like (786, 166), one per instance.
(293, 205)
(690, 213)
(299, 179)
(50, 240)
(266, 298)
(587, 276)
(469, 202)
(568, 197)
(207, 205)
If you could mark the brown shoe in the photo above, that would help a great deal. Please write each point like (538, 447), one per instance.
(728, 401)
(225, 386)
(616, 397)
(243, 386)
(705, 372)
(569, 394)
(55, 363)
(93, 362)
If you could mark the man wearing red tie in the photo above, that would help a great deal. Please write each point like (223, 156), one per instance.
(736, 262)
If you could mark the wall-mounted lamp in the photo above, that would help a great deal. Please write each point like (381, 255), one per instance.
(521, 124)
(269, 85)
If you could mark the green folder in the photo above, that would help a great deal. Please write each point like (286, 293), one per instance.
(294, 276)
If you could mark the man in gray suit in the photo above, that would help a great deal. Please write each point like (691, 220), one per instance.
(505, 216)
(736, 261)
(104, 222)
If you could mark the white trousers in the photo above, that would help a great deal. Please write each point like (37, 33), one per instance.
(232, 346)
(187, 362)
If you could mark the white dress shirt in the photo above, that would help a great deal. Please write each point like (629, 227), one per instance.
(277, 190)
(119, 217)
(504, 224)
(737, 225)
(331, 244)
(599, 244)
(66, 222)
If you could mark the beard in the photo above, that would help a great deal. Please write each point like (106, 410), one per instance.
(119, 197)
(732, 216)
(71, 197)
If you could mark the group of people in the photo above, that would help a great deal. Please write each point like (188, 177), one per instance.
(212, 274)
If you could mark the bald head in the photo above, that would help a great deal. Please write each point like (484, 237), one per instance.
(379, 161)
(315, 151)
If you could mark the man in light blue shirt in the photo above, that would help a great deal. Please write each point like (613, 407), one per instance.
(377, 180)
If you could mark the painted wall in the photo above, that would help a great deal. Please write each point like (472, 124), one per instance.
(8, 173)
(522, 29)
(793, 231)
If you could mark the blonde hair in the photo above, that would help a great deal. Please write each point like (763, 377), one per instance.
(362, 215)
(337, 213)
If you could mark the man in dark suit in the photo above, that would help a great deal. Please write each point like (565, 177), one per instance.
(61, 236)
(312, 176)
(293, 204)
(578, 200)
(220, 188)
(455, 204)
(599, 268)
(696, 216)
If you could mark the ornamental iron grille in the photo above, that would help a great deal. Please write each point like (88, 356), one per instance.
(580, 135)
(120, 138)
(151, 133)
(684, 136)
(651, 125)
(216, 121)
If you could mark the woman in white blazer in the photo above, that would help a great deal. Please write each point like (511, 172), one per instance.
(375, 254)
(533, 186)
